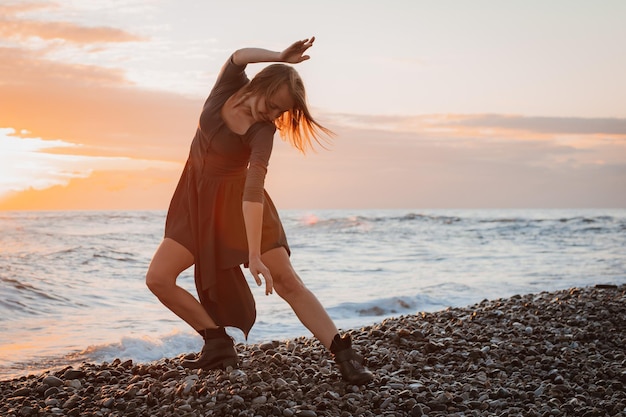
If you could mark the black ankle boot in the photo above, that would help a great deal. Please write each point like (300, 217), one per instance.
(349, 362)
(218, 351)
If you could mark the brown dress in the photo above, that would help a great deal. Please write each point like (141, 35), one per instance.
(205, 214)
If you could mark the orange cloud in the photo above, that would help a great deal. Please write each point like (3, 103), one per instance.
(84, 104)
(16, 8)
(386, 169)
(450, 123)
(12, 27)
(110, 131)
(103, 190)
(92, 106)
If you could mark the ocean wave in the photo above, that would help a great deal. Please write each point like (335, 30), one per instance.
(31, 289)
(141, 349)
(342, 222)
(24, 299)
(389, 306)
(116, 256)
(88, 253)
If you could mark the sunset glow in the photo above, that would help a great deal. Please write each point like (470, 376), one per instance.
(25, 164)
(99, 103)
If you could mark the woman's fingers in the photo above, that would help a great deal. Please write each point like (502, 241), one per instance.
(269, 282)
(294, 53)
(256, 278)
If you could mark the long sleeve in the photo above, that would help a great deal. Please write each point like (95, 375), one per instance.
(261, 145)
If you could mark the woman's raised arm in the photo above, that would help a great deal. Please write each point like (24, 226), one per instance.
(293, 54)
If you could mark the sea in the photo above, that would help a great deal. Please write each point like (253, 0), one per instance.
(72, 284)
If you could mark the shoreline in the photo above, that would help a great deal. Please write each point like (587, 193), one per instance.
(550, 353)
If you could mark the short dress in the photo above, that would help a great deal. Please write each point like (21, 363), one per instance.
(205, 214)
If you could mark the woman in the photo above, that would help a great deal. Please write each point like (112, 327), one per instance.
(221, 217)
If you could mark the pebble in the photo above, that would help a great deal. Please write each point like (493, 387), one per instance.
(546, 354)
(261, 399)
(73, 374)
(52, 381)
(21, 392)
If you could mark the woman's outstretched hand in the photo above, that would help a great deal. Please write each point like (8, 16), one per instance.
(295, 52)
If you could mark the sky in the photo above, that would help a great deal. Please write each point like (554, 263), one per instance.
(446, 104)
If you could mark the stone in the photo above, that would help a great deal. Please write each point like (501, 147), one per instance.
(21, 392)
(306, 413)
(52, 381)
(73, 374)
(108, 402)
(261, 399)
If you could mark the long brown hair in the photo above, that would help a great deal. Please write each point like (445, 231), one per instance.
(296, 125)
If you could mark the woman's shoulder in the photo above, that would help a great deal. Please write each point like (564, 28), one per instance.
(261, 129)
(231, 77)
(259, 134)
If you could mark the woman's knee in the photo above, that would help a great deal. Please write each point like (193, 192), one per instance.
(288, 284)
(170, 259)
(159, 284)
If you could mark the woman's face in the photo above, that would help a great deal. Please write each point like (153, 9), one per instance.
(267, 109)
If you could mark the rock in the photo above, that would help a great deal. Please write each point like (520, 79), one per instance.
(266, 346)
(127, 364)
(306, 413)
(71, 402)
(172, 373)
(503, 393)
(53, 381)
(21, 392)
(51, 391)
(51, 402)
(539, 391)
(416, 411)
(261, 399)
(73, 383)
(386, 403)
(27, 411)
(73, 374)
(108, 402)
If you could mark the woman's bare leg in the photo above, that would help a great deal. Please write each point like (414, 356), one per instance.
(170, 259)
(303, 302)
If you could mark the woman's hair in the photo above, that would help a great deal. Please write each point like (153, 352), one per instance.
(295, 125)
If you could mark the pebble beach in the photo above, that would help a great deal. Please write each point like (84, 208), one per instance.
(546, 354)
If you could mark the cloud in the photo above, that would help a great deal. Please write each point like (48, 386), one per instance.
(13, 27)
(387, 168)
(19, 67)
(85, 130)
(92, 106)
(450, 123)
(22, 7)
(102, 190)
(551, 125)
(26, 163)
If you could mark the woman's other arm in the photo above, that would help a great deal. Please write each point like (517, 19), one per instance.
(253, 219)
